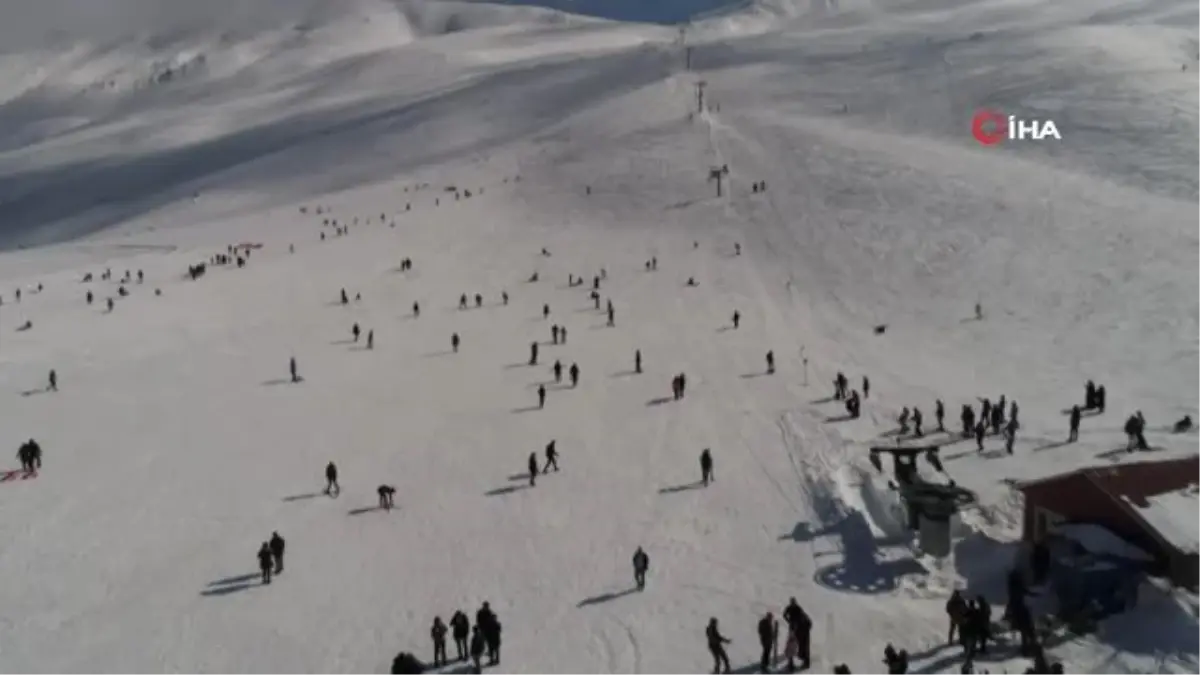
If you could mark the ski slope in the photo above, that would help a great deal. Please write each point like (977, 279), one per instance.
(148, 137)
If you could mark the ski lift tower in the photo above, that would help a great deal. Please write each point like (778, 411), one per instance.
(930, 507)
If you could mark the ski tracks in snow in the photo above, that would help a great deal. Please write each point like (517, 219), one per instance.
(613, 654)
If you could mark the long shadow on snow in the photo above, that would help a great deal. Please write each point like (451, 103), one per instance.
(681, 488)
(232, 584)
(57, 203)
(861, 570)
(606, 597)
(506, 490)
(307, 495)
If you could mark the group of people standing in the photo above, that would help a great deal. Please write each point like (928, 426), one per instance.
(474, 642)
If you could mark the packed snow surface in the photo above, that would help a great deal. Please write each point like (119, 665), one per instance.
(138, 135)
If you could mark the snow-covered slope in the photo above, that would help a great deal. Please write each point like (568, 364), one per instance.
(175, 444)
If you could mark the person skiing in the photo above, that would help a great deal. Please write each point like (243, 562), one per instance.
(551, 457)
(903, 420)
(706, 467)
(770, 363)
(767, 637)
(637, 361)
(574, 373)
(292, 368)
(264, 562)
(454, 342)
(478, 644)
(331, 480)
(460, 628)
(371, 339)
(438, 633)
(387, 497)
(716, 646)
(558, 369)
(737, 248)
(355, 331)
(533, 469)
(737, 319)
(53, 380)
(541, 394)
(277, 545)
(939, 413)
(533, 353)
(641, 563)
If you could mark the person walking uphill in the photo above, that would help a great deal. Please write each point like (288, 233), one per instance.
(264, 562)
(641, 563)
(716, 646)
